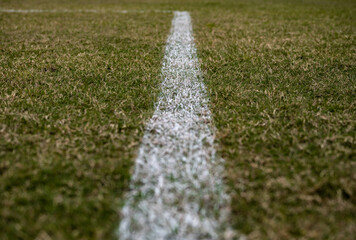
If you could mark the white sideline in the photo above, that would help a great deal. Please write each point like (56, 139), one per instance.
(78, 10)
(176, 190)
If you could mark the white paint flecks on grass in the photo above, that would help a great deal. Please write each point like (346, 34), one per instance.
(176, 190)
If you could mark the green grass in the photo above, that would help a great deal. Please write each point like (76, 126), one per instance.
(77, 88)
(75, 92)
(282, 86)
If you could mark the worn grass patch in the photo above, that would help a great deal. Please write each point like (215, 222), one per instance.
(281, 79)
(75, 91)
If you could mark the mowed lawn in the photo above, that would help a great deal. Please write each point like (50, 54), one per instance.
(77, 88)
(281, 77)
(75, 92)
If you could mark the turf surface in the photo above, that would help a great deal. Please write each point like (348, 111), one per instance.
(282, 87)
(77, 88)
(75, 92)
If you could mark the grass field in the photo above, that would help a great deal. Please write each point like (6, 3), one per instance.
(75, 92)
(282, 82)
(77, 88)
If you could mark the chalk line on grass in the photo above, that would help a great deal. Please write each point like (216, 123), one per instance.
(176, 190)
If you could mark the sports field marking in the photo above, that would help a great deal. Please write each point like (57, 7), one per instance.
(176, 191)
(78, 11)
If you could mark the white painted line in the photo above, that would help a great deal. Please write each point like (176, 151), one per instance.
(176, 191)
(79, 11)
